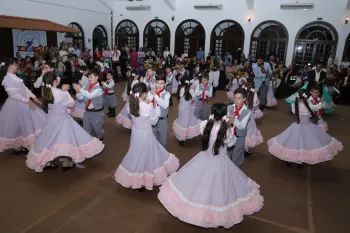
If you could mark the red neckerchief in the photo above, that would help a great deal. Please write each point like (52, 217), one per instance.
(319, 112)
(76, 63)
(237, 115)
(89, 90)
(149, 79)
(205, 98)
(158, 94)
(106, 90)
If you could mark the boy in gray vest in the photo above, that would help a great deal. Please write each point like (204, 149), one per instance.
(93, 98)
(203, 92)
(169, 82)
(160, 99)
(239, 116)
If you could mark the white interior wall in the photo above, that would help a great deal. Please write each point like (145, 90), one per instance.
(90, 13)
(87, 13)
(332, 12)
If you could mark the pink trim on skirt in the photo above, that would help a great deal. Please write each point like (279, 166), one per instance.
(148, 180)
(207, 216)
(37, 161)
(253, 141)
(315, 156)
(271, 102)
(258, 114)
(125, 122)
(27, 142)
(183, 134)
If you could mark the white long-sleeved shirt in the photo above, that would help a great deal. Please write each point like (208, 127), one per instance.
(39, 82)
(241, 124)
(164, 103)
(169, 78)
(89, 95)
(209, 93)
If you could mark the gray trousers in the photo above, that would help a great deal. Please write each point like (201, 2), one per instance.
(160, 131)
(202, 110)
(236, 153)
(263, 94)
(94, 121)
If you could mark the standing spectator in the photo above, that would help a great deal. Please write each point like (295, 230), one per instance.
(166, 52)
(134, 58)
(97, 54)
(63, 53)
(77, 51)
(262, 72)
(200, 53)
(141, 53)
(86, 54)
(123, 61)
(332, 60)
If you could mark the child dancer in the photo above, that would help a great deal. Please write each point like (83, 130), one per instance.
(303, 141)
(111, 100)
(21, 120)
(239, 116)
(271, 100)
(234, 85)
(61, 136)
(147, 162)
(328, 91)
(124, 117)
(160, 100)
(93, 98)
(79, 106)
(316, 103)
(257, 111)
(196, 81)
(169, 82)
(210, 191)
(186, 126)
(203, 92)
(253, 137)
(125, 94)
(150, 79)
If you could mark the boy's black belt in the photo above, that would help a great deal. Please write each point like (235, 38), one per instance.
(95, 110)
(111, 93)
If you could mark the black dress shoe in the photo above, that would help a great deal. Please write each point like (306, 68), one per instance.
(50, 167)
(300, 166)
(141, 190)
(248, 153)
(101, 139)
(289, 164)
(182, 143)
(64, 169)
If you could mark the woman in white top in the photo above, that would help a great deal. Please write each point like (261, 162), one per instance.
(166, 53)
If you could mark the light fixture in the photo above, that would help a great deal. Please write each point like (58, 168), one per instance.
(138, 8)
(249, 19)
(346, 20)
(297, 6)
(208, 6)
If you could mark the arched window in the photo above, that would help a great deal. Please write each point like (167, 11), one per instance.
(346, 52)
(76, 38)
(315, 42)
(156, 36)
(99, 37)
(189, 37)
(127, 32)
(269, 37)
(227, 36)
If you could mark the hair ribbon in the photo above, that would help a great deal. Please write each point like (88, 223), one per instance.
(211, 117)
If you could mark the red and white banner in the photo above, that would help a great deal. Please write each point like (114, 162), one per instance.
(27, 41)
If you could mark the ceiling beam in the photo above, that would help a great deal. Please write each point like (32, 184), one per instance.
(171, 4)
(250, 4)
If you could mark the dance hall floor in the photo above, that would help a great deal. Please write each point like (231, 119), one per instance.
(314, 199)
